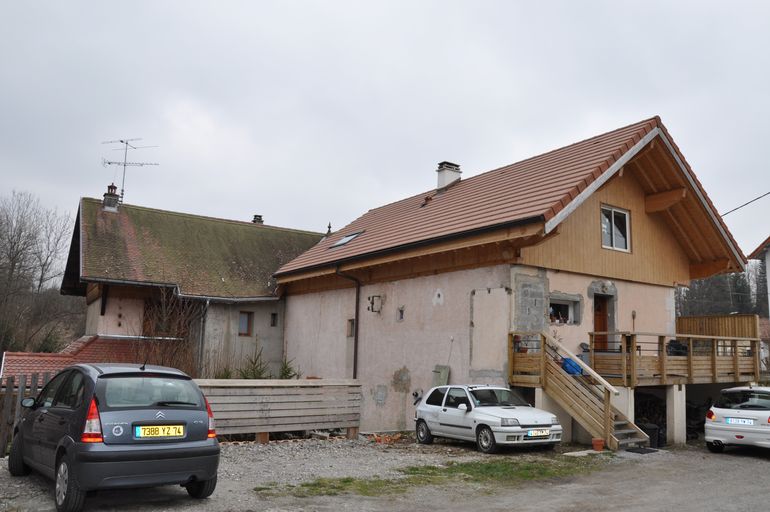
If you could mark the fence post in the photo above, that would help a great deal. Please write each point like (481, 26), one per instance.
(736, 364)
(756, 346)
(714, 355)
(633, 361)
(542, 360)
(510, 358)
(6, 418)
(19, 398)
(689, 361)
(624, 357)
(663, 355)
(591, 349)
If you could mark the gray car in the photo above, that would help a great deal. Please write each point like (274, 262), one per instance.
(112, 426)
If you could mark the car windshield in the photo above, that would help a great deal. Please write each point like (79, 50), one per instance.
(744, 399)
(491, 397)
(148, 391)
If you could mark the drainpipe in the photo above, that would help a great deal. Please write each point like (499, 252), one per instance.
(355, 318)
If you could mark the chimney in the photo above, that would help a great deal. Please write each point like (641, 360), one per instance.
(257, 219)
(448, 173)
(111, 199)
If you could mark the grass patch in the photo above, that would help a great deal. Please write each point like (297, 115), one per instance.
(502, 471)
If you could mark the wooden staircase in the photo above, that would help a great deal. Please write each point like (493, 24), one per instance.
(586, 398)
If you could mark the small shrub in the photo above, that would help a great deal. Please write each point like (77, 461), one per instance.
(288, 371)
(255, 368)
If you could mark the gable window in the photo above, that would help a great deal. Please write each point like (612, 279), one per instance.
(616, 229)
(345, 239)
(245, 323)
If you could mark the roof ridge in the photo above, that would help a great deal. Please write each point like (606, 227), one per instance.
(208, 217)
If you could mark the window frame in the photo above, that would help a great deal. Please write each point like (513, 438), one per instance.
(250, 322)
(345, 240)
(613, 210)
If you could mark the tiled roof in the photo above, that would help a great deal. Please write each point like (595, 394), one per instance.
(203, 256)
(533, 190)
(88, 349)
(759, 251)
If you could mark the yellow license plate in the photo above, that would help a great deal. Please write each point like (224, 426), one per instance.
(539, 433)
(160, 431)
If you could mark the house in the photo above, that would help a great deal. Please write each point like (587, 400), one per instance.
(185, 290)
(589, 239)
(762, 253)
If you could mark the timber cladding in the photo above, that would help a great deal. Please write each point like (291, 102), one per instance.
(742, 326)
(260, 406)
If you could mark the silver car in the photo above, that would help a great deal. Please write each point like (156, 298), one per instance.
(740, 416)
(490, 416)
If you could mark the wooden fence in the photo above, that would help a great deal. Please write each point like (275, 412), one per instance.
(742, 326)
(12, 391)
(263, 406)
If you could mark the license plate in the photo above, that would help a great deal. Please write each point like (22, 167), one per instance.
(739, 421)
(538, 433)
(159, 431)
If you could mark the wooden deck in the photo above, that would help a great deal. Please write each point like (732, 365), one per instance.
(633, 359)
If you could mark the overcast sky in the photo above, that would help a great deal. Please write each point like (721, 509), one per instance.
(314, 112)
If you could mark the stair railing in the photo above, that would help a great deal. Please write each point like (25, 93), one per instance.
(607, 389)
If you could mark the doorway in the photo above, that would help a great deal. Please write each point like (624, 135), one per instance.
(601, 321)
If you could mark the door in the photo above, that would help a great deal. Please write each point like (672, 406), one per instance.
(59, 422)
(39, 424)
(456, 422)
(601, 321)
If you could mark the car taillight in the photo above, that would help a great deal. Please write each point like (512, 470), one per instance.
(711, 416)
(212, 428)
(92, 432)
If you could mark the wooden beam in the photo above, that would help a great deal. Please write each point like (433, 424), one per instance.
(663, 200)
(709, 268)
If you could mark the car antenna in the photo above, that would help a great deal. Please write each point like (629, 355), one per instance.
(144, 364)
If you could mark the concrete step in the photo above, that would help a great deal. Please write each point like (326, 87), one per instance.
(624, 432)
(638, 441)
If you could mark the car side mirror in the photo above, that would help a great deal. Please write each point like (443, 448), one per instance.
(28, 403)
(462, 407)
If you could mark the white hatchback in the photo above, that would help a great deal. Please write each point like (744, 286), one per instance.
(490, 416)
(741, 416)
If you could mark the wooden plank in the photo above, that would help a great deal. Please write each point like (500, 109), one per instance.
(277, 383)
(633, 356)
(19, 398)
(577, 392)
(663, 200)
(624, 360)
(689, 360)
(6, 419)
(607, 415)
(247, 429)
(736, 368)
(755, 349)
(271, 399)
(290, 422)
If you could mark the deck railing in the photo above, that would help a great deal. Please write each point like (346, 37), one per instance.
(632, 359)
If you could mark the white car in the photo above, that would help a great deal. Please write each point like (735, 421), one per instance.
(490, 416)
(740, 416)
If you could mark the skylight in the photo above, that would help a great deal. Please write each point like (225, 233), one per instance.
(345, 239)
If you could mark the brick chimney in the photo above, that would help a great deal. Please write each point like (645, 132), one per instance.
(448, 173)
(257, 219)
(111, 199)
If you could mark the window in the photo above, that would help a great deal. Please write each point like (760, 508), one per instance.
(455, 397)
(564, 308)
(71, 394)
(147, 390)
(45, 399)
(273, 319)
(245, 323)
(345, 239)
(744, 399)
(351, 331)
(616, 233)
(437, 397)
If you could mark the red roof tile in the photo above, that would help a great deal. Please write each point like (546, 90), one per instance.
(759, 251)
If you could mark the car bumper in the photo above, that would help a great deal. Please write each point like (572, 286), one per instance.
(100, 466)
(519, 436)
(734, 435)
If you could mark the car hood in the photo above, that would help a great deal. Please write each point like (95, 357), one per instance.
(525, 415)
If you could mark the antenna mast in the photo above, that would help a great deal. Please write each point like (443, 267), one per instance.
(126, 143)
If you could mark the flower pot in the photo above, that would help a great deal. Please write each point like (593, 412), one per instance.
(598, 443)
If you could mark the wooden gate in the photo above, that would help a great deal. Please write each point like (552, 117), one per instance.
(11, 395)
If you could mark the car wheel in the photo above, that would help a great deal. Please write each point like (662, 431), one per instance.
(201, 489)
(485, 440)
(69, 497)
(16, 466)
(423, 433)
(715, 448)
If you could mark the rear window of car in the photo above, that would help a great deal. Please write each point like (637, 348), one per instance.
(124, 391)
(437, 397)
(745, 399)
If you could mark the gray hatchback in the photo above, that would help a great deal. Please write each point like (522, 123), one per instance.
(111, 426)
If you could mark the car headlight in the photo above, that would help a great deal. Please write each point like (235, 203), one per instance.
(509, 422)
(554, 421)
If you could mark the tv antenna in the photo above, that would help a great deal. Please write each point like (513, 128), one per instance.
(127, 144)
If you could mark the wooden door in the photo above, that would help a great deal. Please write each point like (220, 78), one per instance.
(601, 321)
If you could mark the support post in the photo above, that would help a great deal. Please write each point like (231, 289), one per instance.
(663, 357)
(624, 358)
(19, 398)
(756, 346)
(542, 360)
(714, 376)
(511, 355)
(591, 342)
(633, 361)
(607, 417)
(352, 433)
(689, 360)
(736, 367)
(262, 437)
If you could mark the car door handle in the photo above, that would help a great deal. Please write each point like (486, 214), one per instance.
(444, 409)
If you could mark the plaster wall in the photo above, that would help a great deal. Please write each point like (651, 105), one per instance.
(122, 316)
(458, 319)
(653, 306)
(224, 347)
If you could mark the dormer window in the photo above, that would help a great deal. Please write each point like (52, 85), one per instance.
(616, 232)
(345, 239)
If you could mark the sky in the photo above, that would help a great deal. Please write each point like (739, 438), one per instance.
(313, 112)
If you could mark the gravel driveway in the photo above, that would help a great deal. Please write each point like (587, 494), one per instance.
(683, 480)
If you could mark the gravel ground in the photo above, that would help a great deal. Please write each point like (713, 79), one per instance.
(683, 480)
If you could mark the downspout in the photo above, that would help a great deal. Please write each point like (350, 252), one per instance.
(355, 318)
(202, 336)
